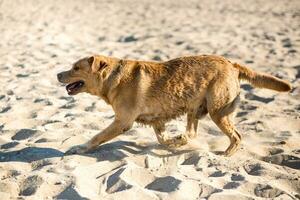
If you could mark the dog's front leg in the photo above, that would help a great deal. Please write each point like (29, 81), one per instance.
(114, 129)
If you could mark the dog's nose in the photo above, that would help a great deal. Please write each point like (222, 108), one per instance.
(59, 76)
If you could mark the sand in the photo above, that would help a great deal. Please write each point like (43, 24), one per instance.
(39, 121)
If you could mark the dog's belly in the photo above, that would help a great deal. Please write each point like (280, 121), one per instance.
(147, 119)
(154, 118)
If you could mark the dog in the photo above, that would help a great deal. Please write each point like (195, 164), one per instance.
(153, 93)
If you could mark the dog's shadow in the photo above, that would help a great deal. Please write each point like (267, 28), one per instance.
(112, 151)
(29, 154)
(118, 150)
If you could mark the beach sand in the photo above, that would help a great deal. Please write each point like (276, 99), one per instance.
(39, 121)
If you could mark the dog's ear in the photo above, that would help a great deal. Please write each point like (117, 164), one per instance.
(96, 65)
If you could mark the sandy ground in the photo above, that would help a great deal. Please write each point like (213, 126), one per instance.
(39, 121)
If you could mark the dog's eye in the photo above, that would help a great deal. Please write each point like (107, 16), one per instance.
(76, 68)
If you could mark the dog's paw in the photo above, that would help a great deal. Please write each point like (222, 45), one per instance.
(79, 149)
(178, 141)
(181, 140)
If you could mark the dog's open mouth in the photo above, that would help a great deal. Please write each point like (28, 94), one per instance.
(72, 88)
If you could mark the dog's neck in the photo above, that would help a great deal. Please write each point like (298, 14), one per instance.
(112, 81)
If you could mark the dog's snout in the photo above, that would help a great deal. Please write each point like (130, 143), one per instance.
(59, 76)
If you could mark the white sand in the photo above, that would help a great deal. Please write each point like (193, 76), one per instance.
(39, 121)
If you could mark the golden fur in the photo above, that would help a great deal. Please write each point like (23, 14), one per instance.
(153, 93)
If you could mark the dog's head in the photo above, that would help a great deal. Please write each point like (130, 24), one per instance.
(86, 75)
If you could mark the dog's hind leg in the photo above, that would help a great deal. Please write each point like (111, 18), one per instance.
(164, 139)
(192, 120)
(182, 139)
(227, 127)
(222, 99)
(222, 118)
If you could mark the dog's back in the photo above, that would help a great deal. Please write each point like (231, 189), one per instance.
(179, 85)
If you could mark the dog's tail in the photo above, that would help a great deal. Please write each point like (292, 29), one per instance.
(261, 80)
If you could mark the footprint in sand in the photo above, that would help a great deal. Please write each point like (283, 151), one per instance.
(251, 96)
(237, 177)
(286, 43)
(284, 160)
(178, 43)
(70, 193)
(242, 114)
(6, 174)
(42, 140)
(249, 61)
(9, 145)
(254, 169)
(68, 106)
(217, 174)
(116, 184)
(208, 190)
(285, 134)
(33, 115)
(261, 190)
(246, 106)
(130, 38)
(274, 151)
(5, 109)
(296, 151)
(101, 38)
(46, 102)
(10, 92)
(191, 160)
(24, 134)
(38, 164)
(266, 191)
(22, 75)
(157, 58)
(2, 97)
(30, 185)
(69, 99)
(90, 108)
(231, 185)
(164, 184)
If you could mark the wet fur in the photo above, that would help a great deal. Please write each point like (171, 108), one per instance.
(154, 93)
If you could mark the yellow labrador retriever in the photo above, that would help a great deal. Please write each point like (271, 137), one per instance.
(154, 93)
